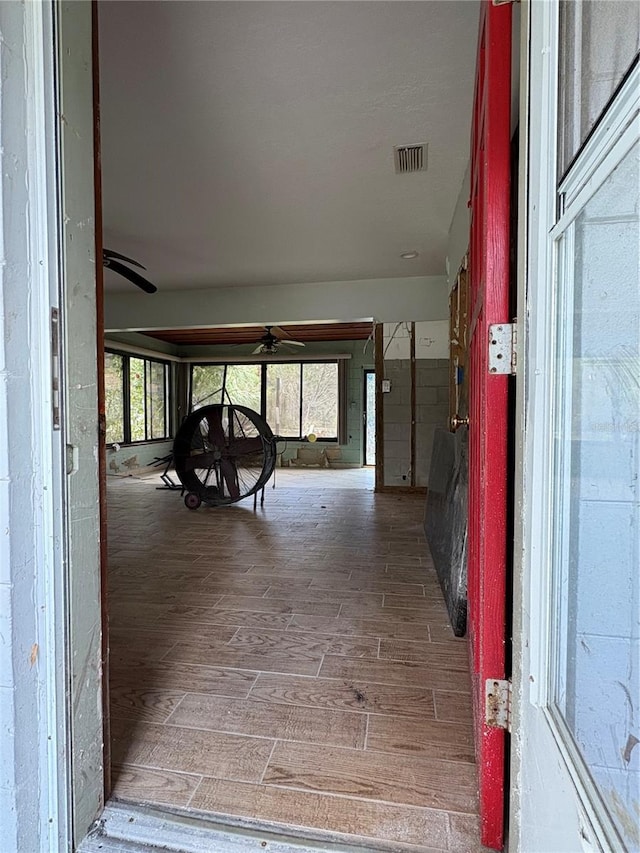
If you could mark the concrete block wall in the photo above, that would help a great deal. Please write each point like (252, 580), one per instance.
(432, 411)
(397, 423)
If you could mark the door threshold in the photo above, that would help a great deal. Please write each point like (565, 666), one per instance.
(125, 827)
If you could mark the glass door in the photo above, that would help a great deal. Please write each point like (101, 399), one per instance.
(577, 684)
(594, 690)
(369, 417)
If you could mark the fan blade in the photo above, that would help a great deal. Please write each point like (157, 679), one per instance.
(245, 446)
(257, 350)
(130, 275)
(109, 253)
(292, 343)
(199, 460)
(230, 473)
(216, 430)
(277, 332)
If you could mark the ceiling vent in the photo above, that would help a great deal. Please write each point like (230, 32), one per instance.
(410, 158)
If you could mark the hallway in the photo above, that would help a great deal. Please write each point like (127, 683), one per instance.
(290, 666)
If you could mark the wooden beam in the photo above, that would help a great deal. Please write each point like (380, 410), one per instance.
(306, 332)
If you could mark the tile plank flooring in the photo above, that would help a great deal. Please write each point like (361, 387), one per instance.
(293, 666)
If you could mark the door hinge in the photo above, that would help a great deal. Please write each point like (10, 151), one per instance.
(497, 703)
(55, 368)
(502, 348)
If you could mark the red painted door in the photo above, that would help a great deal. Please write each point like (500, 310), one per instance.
(488, 413)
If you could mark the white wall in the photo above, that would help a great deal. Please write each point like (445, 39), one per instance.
(458, 242)
(431, 340)
(384, 299)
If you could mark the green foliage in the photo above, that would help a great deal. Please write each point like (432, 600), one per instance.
(285, 383)
(114, 397)
(147, 396)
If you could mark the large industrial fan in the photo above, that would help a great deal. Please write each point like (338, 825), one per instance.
(222, 454)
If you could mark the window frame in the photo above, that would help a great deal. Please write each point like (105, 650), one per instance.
(126, 398)
(263, 364)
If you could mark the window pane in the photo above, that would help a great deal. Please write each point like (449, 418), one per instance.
(243, 386)
(598, 42)
(156, 402)
(114, 397)
(206, 384)
(596, 684)
(136, 398)
(283, 399)
(320, 400)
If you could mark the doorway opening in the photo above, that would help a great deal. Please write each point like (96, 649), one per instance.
(290, 664)
(369, 417)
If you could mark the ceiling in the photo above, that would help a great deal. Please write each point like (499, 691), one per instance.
(307, 333)
(250, 143)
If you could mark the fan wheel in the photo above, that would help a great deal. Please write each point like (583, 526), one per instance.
(222, 454)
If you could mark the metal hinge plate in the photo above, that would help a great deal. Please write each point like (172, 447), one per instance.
(502, 348)
(55, 368)
(497, 703)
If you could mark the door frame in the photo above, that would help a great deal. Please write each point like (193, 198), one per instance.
(36, 778)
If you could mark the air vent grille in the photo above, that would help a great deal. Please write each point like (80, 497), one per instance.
(410, 158)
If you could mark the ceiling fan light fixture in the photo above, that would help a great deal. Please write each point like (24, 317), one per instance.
(269, 343)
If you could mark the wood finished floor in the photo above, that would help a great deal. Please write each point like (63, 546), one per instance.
(294, 666)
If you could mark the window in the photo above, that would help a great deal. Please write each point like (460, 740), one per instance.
(136, 398)
(283, 399)
(114, 396)
(295, 398)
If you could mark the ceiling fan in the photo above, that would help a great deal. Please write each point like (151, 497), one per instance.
(111, 260)
(272, 340)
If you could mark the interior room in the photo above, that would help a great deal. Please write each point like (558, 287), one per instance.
(383, 256)
(294, 181)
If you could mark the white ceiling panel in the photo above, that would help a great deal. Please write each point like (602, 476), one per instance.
(250, 143)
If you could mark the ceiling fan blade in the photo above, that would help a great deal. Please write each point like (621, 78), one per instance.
(292, 343)
(257, 350)
(130, 275)
(277, 332)
(109, 253)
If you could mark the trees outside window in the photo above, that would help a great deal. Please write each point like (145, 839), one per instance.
(136, 398)
(296, 398)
